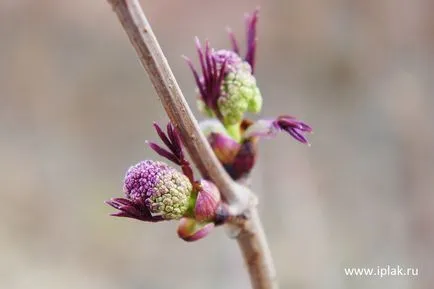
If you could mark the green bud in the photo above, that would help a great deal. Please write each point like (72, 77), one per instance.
(240, 94)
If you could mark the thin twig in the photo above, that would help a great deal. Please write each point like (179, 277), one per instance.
(251, 238)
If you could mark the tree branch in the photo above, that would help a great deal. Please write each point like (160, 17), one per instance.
(251, 238)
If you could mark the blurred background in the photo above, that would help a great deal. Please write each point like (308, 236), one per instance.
(76, 108)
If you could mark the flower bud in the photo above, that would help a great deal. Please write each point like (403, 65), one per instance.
(224, 147)
(159, 188)
(207, 202)
(238, 159)
(227, 89)
(239, 94)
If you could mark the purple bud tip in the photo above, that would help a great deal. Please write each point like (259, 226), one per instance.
(233, 40)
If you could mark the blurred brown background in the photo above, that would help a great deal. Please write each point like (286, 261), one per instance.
(76, 109)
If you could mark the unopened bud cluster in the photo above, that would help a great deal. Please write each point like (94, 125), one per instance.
(165, 191)
(156, 192)
(227, 91)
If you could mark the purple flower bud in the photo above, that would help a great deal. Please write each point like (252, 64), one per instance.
(226, 84)
(207, 202)
(224, 147)
(238, 159)
(154, 192)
